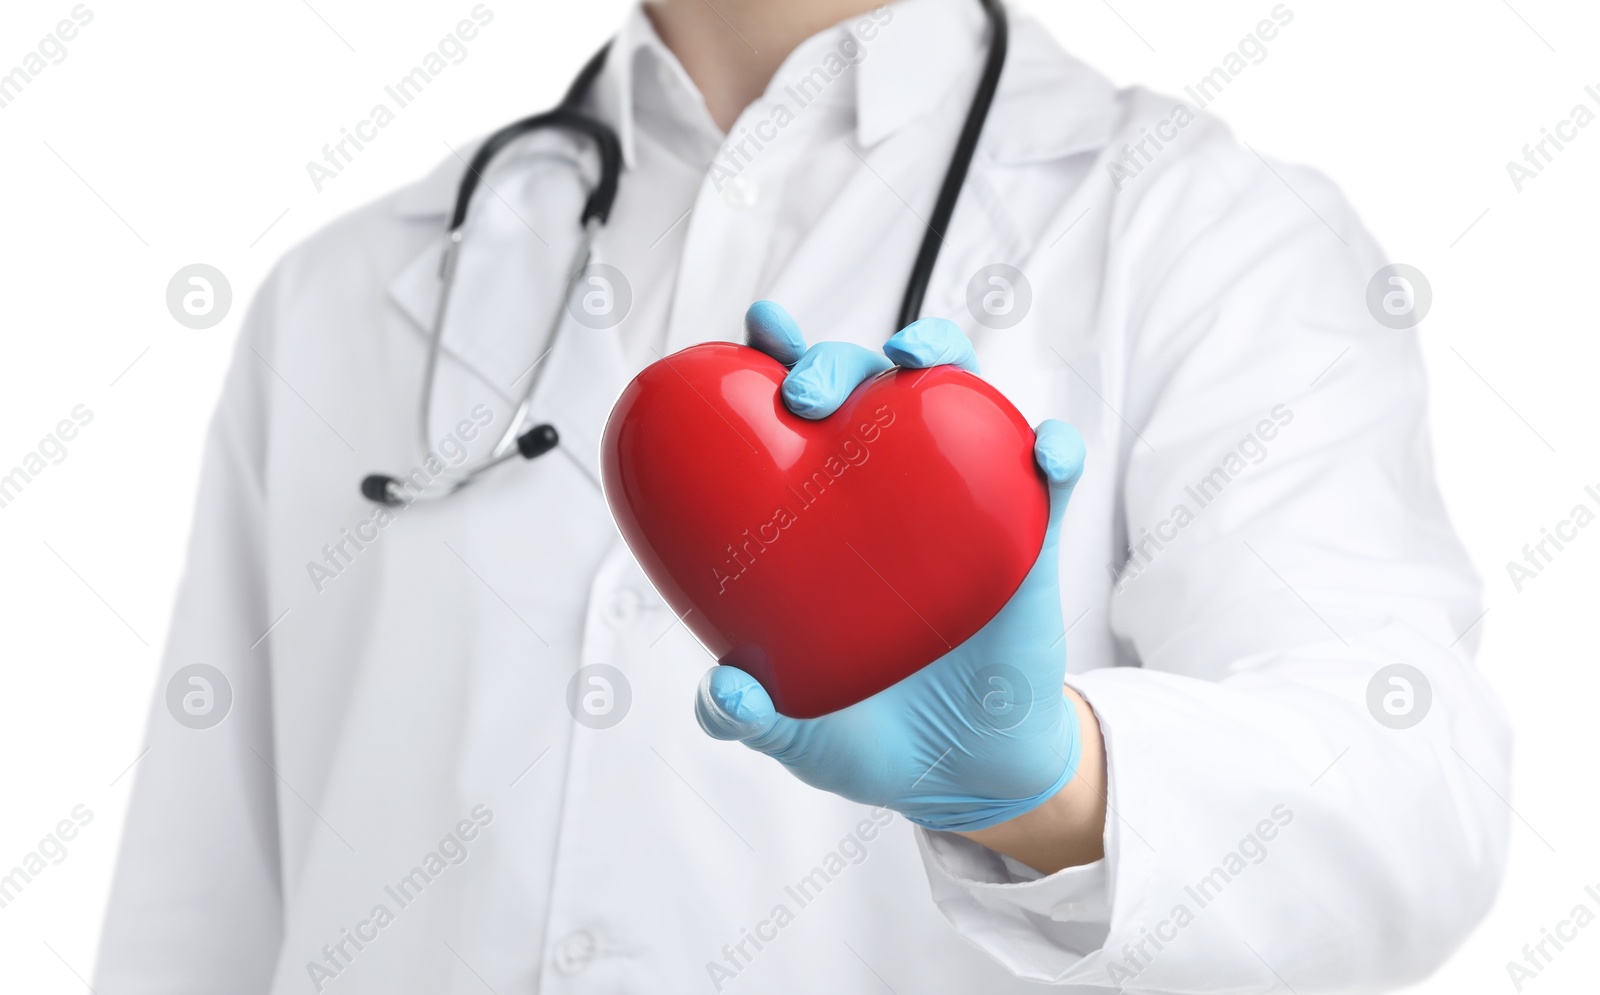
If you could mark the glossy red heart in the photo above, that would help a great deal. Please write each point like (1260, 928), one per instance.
(829, 559)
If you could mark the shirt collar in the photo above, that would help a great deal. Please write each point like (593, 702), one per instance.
(900, 58)
(899, 62)
(1049, 104)
(642, 77)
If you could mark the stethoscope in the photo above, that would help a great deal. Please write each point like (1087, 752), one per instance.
(540, 439)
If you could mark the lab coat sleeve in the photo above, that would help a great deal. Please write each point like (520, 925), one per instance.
(1269, 825)
(195, 907)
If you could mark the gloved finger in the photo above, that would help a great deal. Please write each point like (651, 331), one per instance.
(769, 328)
(826, 375)
(931, 342)
(733, 705)
(1059, 450)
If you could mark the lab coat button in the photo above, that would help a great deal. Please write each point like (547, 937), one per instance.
(622, 608)
(575, 952)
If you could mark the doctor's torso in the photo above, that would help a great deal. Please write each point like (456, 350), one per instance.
(434, 662)
(486, 764)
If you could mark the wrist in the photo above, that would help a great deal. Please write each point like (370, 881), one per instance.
(1068, 828)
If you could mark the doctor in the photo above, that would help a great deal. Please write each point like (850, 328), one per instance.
(450, 746)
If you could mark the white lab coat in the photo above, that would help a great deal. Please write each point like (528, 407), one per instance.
(1204, 326)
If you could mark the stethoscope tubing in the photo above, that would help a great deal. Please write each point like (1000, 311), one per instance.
(540, 439)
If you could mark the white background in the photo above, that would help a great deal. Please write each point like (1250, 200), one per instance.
(178, 132)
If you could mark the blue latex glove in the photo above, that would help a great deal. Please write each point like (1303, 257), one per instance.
(979, 736)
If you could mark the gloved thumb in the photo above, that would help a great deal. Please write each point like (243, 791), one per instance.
(733, 705)
(1059, 450)
(769, 328)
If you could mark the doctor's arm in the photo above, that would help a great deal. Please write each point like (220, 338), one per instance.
(1306, 775)
(195, 907)
(1274, 815)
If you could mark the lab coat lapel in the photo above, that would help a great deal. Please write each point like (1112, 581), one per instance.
(582, 375)
(1029, 123)
(519, 245)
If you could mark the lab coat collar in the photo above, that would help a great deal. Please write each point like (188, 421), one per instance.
(920, 51)
(1049, 105)
(434, 194)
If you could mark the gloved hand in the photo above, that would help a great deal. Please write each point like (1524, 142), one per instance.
(979, 736)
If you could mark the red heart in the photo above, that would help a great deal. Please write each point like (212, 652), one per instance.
(830, 558)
